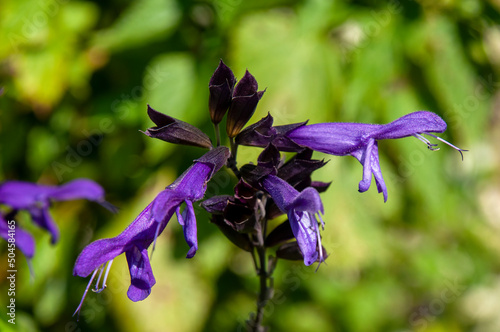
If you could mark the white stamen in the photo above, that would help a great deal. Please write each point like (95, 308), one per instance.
(96, 288)
(448, 143)
(320, 247)
(430, 146)
(433, 146)
(106, 276)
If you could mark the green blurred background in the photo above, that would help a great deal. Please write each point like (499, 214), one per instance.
(79, 74)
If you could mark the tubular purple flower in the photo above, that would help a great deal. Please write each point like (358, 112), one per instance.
(143, 231)
(360, 140)
(301, 208)
(36, 199)
(190, 187)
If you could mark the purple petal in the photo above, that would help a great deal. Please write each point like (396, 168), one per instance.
(78, 189)
(141, 274)
(24, 240)
(411, 124)
(41, 216)
(307, 200)
(333, 138)
(189, 227)
(139, 233)
(305, 230)
(282, 193)
(21, 195)
(370, 160)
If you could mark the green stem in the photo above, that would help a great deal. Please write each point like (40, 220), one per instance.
(217, 133)
(265, 289)
(231, 161)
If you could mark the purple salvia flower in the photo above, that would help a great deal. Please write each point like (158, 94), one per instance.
(301, 208)
(190, 187)
(36, 199)
(143, 231)
(360, 140)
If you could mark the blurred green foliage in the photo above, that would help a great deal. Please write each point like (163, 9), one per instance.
(79, 74)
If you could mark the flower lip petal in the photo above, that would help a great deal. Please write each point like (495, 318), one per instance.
(141, 274)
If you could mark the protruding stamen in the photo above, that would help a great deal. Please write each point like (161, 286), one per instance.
(104, 285)
(430, 146)
(318, 236)
(96, 287)
(84, 295)
(448, 143)
(322, 222)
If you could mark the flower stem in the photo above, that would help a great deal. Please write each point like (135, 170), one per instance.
(231, 161)
(217, 133)
(266, 284)
(263, 293)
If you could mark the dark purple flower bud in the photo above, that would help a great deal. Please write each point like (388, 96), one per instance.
(320, 186)
(262, 133)
(268, 162)
(243, 104)
(221, 90)
(240, 217)
(245, 193)
(297, 171)
(239, 239)
(216, 204)
(291, 251)
(270, 157)
(1, 91)
(360, 140)
(171, 130)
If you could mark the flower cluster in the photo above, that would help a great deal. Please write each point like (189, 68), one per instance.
(263, 191)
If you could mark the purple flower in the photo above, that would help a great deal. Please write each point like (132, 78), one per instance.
(143, 231)
(301, 208)
(360, 140)
(36, 199)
